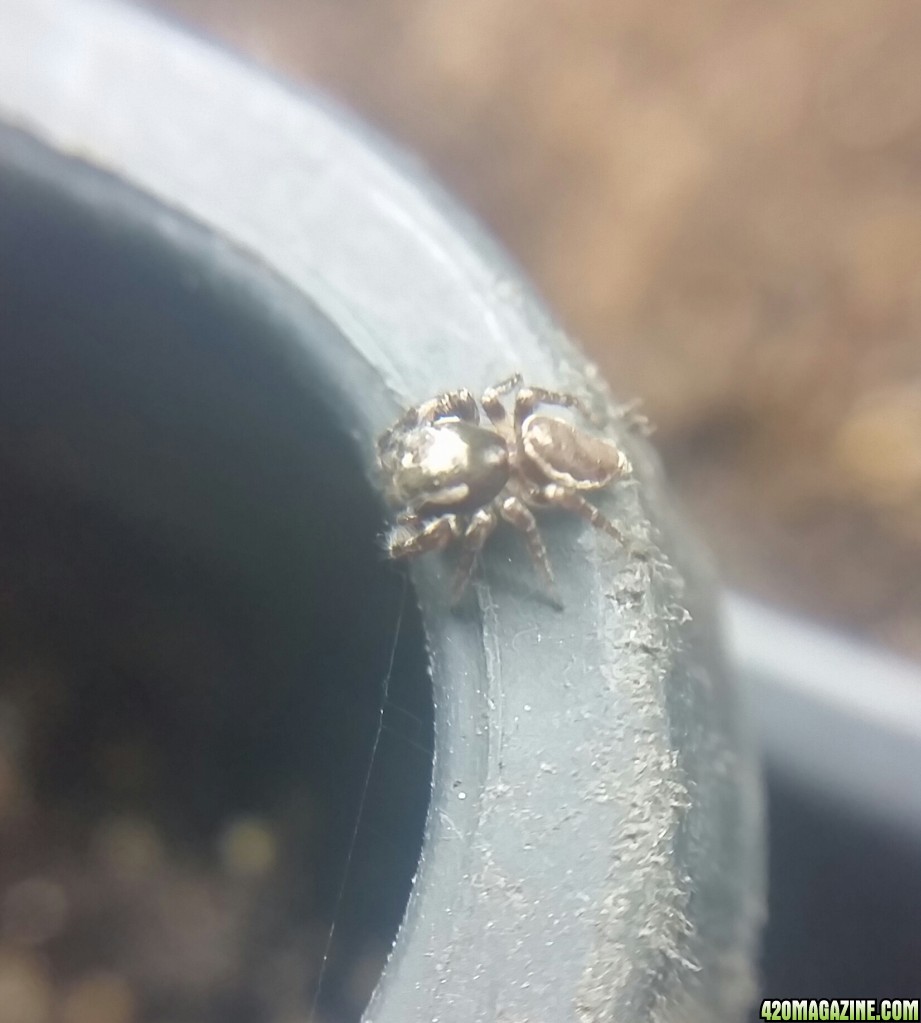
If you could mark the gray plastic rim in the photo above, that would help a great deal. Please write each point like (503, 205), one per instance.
(593, 847)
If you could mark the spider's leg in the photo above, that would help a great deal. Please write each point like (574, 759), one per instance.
(529, 398)
(451, 404)
(492, 397)
(481, 525)
(561, 497)
(633, 417)
(409, 538)
(519, 515)
(408, 420)
(455, 404)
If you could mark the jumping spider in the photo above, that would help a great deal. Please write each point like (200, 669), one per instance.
(454, 479)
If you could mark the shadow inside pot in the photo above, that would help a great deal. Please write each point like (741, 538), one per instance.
(196, 626)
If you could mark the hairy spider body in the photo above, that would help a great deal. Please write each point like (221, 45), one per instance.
(448, 464)
(453, 480)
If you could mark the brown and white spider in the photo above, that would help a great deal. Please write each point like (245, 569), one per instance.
(453, 479)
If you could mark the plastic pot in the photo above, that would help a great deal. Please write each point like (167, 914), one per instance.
(218, 292)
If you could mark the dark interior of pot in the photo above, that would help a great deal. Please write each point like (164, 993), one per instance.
(196, 628)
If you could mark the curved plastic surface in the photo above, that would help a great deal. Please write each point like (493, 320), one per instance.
(593, 845)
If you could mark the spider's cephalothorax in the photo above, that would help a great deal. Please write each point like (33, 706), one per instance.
(452, 479)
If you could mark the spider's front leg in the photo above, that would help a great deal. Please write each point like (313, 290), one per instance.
(411, 536)
(458, 404)
(481, 526)
(519, 515)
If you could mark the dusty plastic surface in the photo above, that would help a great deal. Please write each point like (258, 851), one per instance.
(593, 843)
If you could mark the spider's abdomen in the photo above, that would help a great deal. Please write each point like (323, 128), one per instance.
(450, 464)
(561, 453)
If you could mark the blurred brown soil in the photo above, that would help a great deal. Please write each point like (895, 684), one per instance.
(722, 200)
